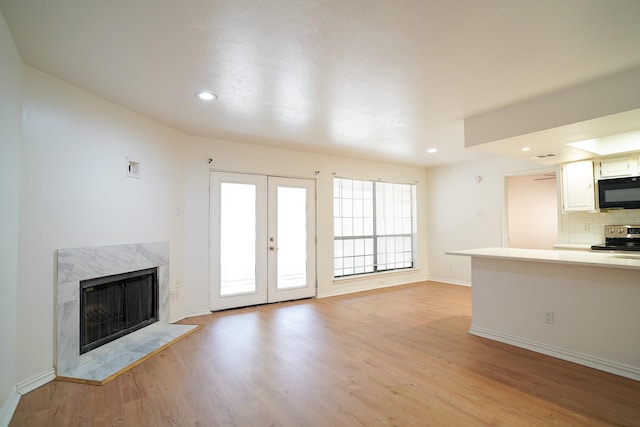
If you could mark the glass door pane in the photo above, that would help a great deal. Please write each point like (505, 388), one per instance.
(262, 239)
(292, 257)
(291, 237)
(237, 238)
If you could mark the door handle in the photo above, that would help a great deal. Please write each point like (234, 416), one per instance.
(273, 248)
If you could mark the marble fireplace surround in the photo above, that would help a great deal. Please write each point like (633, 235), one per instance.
(74, 265)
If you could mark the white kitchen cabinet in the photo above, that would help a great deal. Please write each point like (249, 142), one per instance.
(619, 167)
(578, 194)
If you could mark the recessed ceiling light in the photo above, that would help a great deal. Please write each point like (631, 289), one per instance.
(205, 95)
(432, 150)
(526, 149)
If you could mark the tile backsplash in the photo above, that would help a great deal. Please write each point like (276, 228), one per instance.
(588, 228)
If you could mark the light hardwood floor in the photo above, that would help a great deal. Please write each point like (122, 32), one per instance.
(399, 356)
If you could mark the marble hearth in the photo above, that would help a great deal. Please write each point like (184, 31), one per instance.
(103, 363)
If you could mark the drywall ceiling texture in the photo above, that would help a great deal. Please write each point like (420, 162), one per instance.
(377, 80)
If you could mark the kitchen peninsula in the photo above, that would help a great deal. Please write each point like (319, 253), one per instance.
(579, 306)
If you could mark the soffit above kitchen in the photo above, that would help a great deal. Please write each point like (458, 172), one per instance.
(600, 118)
(375, 80)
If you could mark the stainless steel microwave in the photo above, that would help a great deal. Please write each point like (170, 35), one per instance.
(619, 193)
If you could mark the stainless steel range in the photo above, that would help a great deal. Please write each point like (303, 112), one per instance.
(620, 238)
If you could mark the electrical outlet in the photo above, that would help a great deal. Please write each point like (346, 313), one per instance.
(548, 317)
(174, 295)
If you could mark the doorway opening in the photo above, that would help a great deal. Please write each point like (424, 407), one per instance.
(532, 210)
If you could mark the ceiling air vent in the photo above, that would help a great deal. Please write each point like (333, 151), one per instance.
(544, 156)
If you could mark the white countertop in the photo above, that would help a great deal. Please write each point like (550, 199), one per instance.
(629, 260)
(574, 246)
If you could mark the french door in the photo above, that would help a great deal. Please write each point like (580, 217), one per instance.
(262, 239)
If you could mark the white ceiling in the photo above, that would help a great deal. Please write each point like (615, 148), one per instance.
(374, 79)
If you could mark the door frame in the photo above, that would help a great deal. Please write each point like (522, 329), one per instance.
(505, 206)
(265, 292)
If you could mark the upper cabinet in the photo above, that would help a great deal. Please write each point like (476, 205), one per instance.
(618, 167)
(578, 194)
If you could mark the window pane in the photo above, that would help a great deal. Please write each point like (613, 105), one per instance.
(358, 227)
(358, 208)
(348, 262)
(406, 226)
(357, 189)
(348, 248)
(346, 188)
(368, 246)
(368, 261)
(368, 208)
(337, 227)
(368, 226)
(347, 226)
(347, 207)
(367, 189)
(391, 227)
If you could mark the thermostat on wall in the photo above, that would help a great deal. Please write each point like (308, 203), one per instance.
(133, 169)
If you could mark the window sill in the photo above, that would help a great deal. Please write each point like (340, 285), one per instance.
(369, 276)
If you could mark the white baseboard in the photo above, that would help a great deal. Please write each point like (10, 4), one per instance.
(36, 381)
(450, 281)
(355, 290)
(347, 291)
(11, 403)
(177, 318)
(605, 365)
(187, 314)
(8, 407)
(194, 313)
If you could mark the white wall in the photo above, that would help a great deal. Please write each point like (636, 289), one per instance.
(11, 83)
(465, 214)
(75, 193)
(270, 161)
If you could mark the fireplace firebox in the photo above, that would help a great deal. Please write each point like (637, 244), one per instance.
(114, 306)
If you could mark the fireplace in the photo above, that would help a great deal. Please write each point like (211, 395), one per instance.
(114, 306)
(138, 269)
(78, 265)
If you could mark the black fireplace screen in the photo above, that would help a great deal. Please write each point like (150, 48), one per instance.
(114, 306)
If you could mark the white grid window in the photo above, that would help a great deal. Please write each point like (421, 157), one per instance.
(373, 226)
